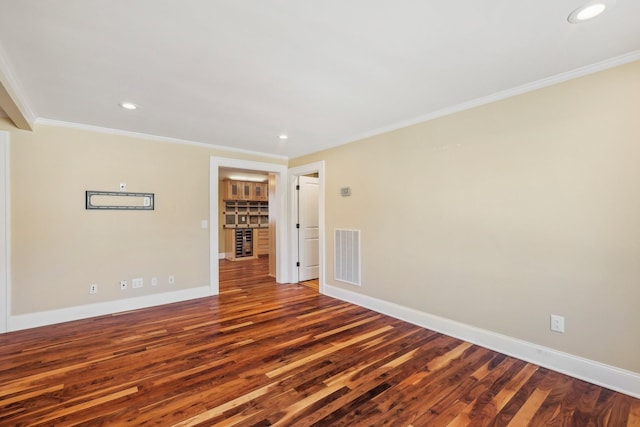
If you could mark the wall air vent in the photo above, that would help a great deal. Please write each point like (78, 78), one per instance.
(347, 256)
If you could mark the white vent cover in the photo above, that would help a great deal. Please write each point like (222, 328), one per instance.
(347, 256)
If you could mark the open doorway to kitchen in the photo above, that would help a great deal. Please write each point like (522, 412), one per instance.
(245, 222)
(277, 213)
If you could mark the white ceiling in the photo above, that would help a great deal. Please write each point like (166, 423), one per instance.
(238, 73)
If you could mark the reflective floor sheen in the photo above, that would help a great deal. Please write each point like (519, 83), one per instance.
(266, 354)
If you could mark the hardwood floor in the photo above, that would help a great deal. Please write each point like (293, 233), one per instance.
(311, 284)
(265, 354)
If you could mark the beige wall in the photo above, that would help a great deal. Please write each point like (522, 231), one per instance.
(58, 247)
(504, 214)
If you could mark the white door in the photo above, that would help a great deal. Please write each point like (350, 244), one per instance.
(308, 230)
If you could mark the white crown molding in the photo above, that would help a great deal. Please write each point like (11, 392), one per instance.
(498, 96)
(617, 379)
(43, 318)
(118, 132)
(14, 89)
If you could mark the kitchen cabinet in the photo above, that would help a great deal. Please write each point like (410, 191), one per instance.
(245, 214)
(261, 239)
(245, 190)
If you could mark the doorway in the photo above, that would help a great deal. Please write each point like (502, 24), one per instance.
(278, 209)
(244, 214)
(307, 227)
(295, 243)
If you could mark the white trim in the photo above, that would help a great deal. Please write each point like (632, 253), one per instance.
(498, 96)
(294, 173)
(43, 318)
(221, 255)
(279, 211)
(617, 379)
(293, 231)
(118, 132)
(5, 295)
(14, 89)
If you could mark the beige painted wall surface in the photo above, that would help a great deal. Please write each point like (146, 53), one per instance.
(504, 214)
(58, 247)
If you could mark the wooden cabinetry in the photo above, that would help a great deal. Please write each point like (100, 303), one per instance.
(261, 240)
(231, 190)
(245, 214)
(244, 190)
(261, 191)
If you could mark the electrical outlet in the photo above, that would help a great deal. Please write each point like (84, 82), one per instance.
(172, 279)
(93, 288)
(154, 281)
(557, 323)
(123, 285)
(137, 282)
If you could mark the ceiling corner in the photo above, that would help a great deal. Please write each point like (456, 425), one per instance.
(12, 102)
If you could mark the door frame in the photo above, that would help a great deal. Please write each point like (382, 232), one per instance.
(5, 293)
(280, 215)
(294, 173)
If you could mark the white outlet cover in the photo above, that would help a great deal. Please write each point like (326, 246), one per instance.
(154, 281)
(557, 323)
(138, 282)
(172, 280)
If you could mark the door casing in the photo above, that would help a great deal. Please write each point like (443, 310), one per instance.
(294, 173)
(5, 292)
(307, 220)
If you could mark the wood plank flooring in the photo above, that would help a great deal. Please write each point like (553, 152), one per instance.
(265, 354)
(311, 284)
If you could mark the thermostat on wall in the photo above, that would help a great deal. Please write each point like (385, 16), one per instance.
(345, 191)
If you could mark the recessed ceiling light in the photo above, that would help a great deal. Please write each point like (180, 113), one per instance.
(283, 136)
(589, 11)
(128, 105)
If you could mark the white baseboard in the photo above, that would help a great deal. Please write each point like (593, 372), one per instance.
(33, 320)
(617, 379)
